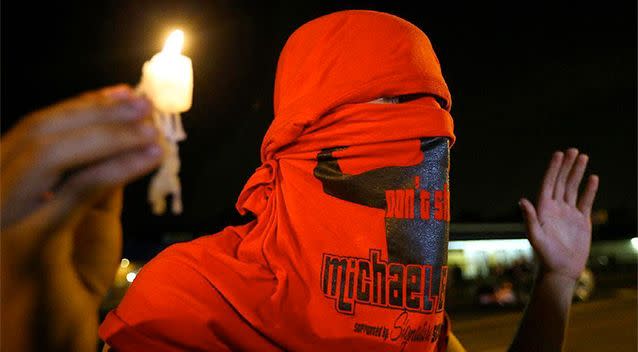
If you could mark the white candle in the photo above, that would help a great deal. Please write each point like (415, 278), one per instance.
(167, 80)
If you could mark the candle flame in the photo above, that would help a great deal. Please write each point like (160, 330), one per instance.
(174, 42)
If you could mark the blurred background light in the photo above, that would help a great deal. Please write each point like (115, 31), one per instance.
(490, 245)
(130, 277)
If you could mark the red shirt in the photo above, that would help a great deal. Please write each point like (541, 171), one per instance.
(349, 247)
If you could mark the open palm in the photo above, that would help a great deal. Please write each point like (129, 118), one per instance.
(559, 228)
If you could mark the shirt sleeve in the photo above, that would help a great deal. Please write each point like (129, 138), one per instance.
(169, 307)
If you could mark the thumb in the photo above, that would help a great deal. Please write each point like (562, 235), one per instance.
(111, 201)
(532, 224)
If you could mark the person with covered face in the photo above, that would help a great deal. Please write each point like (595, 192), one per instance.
(348, 247)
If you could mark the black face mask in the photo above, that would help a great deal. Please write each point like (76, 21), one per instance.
(415, 200)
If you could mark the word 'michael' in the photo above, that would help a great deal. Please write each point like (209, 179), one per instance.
(430, 205)
(372, 281)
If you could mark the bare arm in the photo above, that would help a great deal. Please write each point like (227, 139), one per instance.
(559, 229)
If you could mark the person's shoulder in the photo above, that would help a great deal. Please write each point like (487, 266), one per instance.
(193, 253)
(185, 267)
(171, 276)
(186, 253)
(170, 298)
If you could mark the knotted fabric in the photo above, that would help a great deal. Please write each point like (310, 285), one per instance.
(349, 246)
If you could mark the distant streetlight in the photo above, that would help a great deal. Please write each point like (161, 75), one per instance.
(130, 277)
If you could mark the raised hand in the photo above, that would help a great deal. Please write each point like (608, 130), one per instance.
(559, 228)
(62, 173)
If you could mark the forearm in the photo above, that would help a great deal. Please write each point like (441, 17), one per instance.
(68, 323)
(546, 316)
(28, 326)
(74, 334)
(36, 317)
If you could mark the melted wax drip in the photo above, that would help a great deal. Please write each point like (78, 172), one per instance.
(166, 180)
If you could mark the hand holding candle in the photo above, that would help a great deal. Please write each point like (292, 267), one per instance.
(167, 80)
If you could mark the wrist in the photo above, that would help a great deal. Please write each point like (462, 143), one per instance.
(558, 275)
(559, 283)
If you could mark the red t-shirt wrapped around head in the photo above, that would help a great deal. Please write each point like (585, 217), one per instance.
(349, 247)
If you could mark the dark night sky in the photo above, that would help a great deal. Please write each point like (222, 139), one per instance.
(525, 81)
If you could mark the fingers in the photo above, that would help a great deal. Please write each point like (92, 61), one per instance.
(83, 190)
(549, 181)
(111, 202)
(44, 163)
(563, 177)
(574, 179)
(532, 224)
(76, 148)
(563, 173)
(70, 135)
(111, 105)
(586, 200)
(85, 187)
